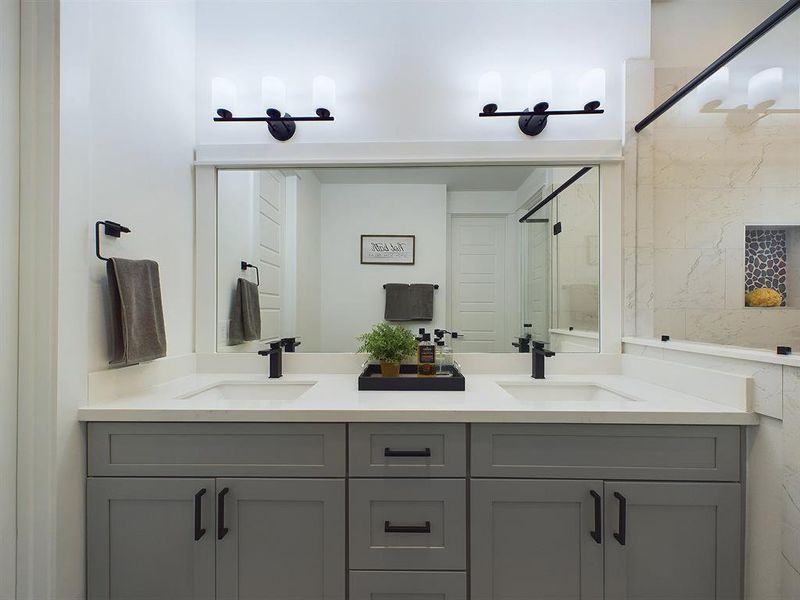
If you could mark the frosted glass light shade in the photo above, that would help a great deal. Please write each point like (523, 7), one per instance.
(593, 87)
(490, 88)
(273, 93)
(766, 86)
(540, 88)
(715, 88)
(324, 92)
(223, 94)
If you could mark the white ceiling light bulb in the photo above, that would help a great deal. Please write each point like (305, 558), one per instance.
(223, 94)
(490, 89)
(765, 87)
(540, 88)
(715, 88)
(324, 93)
(273, 93)
(593, 88)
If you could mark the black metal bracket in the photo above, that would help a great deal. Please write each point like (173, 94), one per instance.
(281, 126)
(435, 286)
(222, 531)
(389, 528)
(583, 171)
(111, 229)
(557, 228)
(389, 453)
(533, 122)
(246, 265)
(621, 535)
(199, 532)
(597, 532)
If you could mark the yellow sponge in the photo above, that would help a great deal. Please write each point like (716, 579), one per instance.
(763, 297)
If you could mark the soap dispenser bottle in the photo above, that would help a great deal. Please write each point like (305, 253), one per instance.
(426, 357)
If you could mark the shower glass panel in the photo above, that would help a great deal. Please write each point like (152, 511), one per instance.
(714, 255)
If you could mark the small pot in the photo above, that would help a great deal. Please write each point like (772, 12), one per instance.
(390, 369)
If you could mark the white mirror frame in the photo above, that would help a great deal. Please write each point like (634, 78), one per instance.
(605, 153)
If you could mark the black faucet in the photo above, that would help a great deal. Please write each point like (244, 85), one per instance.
(290, 343)
(539, 354)
(275, 354)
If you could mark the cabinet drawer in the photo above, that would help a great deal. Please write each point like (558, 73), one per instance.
(216, 449)
(660, 452)
(408, 450)
(408, 524)
(409, 585)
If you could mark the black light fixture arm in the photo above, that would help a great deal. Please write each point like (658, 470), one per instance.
(581, 172)
(533, 122)
(774, 19)
(281, 126)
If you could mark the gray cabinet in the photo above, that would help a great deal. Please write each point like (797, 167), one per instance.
(682, 541)
(280, 539)
(150, 538)
(536, 539)
(408, 585)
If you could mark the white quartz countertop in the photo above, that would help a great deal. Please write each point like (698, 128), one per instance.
(335, 398)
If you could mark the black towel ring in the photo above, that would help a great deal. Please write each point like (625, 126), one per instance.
(111, 229)
(246, 265)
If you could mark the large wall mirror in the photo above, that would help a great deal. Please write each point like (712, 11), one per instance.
(316, 254)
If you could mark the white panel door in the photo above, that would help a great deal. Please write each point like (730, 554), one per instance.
(478, 302)
(271, 208)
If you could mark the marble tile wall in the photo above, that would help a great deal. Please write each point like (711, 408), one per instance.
(701, 178)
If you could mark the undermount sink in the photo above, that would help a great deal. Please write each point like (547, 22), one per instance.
(563, 392)
(258, 391)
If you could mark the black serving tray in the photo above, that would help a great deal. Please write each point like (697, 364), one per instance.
(408, 381)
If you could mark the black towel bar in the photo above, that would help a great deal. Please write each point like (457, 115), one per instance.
(246, 265)
(435, 286)
(111, 229)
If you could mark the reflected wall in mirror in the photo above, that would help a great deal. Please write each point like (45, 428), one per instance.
(497, 282)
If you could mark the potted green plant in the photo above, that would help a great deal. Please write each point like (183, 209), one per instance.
(389, 345)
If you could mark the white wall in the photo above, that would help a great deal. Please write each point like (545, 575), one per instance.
(308, 254)
(9, 238)
(127, 140)
(352, 293)
(409, 70)
(237, 240)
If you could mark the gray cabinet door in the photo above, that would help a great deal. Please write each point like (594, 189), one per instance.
(536, 540)
(141, 539)
(682, 541)
(285, 539)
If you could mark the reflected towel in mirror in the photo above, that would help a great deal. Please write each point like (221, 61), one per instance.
(406, 302)
(245, 313)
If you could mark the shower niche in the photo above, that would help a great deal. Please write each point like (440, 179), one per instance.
(772, 266)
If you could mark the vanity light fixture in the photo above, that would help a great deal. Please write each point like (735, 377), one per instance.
(281, 124)
(540, 89)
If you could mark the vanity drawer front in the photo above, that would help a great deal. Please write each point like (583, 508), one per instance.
(408, 450)
(654, 452)
(410, 585)
(216, 449)
(408, 524)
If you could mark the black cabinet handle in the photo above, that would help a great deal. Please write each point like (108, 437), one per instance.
(388, 452)
(221, 529)
(597, 534)
(389, 528)
(623, 508)
(199, 532)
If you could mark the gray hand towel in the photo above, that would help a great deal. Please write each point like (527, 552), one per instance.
(137, 316)
(245, 313)
(406, 302)
(420, 302)
(396, 302)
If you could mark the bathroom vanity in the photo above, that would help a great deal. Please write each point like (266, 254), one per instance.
(451, 510)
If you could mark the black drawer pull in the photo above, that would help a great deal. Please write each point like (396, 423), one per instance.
(388, 452)
(623, 507)
(221, 529)
(199, 532)
(389, 528)
(597, 533)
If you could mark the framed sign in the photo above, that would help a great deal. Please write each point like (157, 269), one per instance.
(387, 249)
